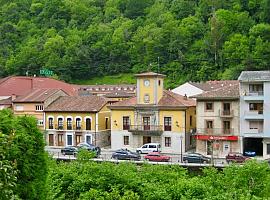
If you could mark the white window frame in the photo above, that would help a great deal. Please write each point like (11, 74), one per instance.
(67, 139)
(39, 107)
(90, 136)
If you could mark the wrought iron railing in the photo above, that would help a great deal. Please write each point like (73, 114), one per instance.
(215, 131)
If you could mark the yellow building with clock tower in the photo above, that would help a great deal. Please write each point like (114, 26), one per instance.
(154, 115)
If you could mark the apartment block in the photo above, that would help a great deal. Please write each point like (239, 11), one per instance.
(255, 111)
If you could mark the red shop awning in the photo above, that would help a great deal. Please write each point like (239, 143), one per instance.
(216, 137)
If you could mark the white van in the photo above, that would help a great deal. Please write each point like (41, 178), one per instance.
(149, 147)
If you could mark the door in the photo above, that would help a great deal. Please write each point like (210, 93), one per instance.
(146, 123)
(60, 140)
(51, 142)
(226, 108)
(89, 139)
(69, 140)
(78, 139)
(226, 148)
(146, 139)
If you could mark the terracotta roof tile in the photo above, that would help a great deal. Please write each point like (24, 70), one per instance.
(169, 99)
(36, 95)
(21, 85)
(77, 104)
(212, 85)
(228, 91)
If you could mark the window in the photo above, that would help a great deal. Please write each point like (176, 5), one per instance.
(256, 106)
(126, 140)
(40, 122)
(50, 123)
(159, 82)
(209, 106)
(106, 123)
(126, 123)
(256, 88)
(268, 149)
(167, 123)
(209, 124)
(69, 140)
(19, 107)
(69, 124)
(146, 98)
(168, 142)
(78, 124)
(190, 120)
(226, 127)
(60, 123)
(88, 124)
(39, 107)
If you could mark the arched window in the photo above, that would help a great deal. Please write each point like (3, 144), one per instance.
(78, 124)
(60, 123)
(69, 124)
(88, 124)
(50, 123)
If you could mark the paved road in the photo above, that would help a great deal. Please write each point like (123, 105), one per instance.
(106, 154)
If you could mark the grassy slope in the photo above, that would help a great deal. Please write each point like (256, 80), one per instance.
(114, 79)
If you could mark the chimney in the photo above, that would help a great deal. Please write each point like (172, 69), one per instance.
(185, 96)
(13, 97)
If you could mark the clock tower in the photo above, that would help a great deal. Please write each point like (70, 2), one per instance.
(149, 88)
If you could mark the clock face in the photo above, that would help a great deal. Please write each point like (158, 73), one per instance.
(146, 82)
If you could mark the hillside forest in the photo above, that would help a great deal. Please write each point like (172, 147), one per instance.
(184, 39)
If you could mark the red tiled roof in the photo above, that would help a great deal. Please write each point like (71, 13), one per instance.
(169, 99)
(172, 99)
(226, 92)
(149, 74)
(36, 95)
(21, 85)
(77, 104)
(212, 85)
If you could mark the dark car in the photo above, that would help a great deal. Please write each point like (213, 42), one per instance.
(69, 150)
(90, 147)
(156, 156)
(236, 158)
(250, 153)
(195, 158)
(125, 154)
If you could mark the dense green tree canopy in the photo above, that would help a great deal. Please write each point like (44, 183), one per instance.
(23, 168)
(188, 40)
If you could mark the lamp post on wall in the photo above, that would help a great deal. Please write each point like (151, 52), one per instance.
(181, 148)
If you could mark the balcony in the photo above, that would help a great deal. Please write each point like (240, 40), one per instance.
(59, 127)
(255, 114)
(254, 131)
(226, 113)
(254, 96)
(151, 130)
(78, 128)
(215, 131)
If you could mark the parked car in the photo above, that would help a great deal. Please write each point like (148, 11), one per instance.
(69, 150)
(236, 158)
(156, 156)
(149, 147)
(125, 154)
(250, 153)
(195, 158)
(90, 147)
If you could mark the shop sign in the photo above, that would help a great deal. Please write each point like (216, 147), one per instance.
(216, 137)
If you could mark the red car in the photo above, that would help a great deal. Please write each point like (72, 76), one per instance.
(157, 157)
(236, 158)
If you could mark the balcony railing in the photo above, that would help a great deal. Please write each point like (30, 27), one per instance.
(146, 129)
(57, 127)
(254, 93)
(77, 128)
(258, 130)
(215, 131)
(226, 113)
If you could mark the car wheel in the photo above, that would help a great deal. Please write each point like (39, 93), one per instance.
(185, 161)
(204, 162)
(140, 152)
(64, 153)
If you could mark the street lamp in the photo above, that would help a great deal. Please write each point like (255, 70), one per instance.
(181, 148)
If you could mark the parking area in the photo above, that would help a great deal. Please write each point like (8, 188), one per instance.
(106, 155)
